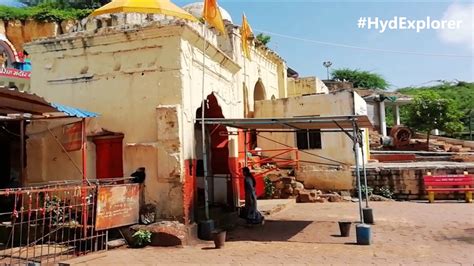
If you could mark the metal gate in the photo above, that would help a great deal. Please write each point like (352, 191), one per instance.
(48, 224)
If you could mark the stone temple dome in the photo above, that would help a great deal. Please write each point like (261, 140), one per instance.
(196, 10)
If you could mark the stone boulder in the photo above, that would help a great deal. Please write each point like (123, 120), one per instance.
(287, 179)
(326, 179)
(332, 197)
(297, 191)
(279, 184)
(274, 177)
(304, 197)
(379, 198)
(315, 193)
(297, 185)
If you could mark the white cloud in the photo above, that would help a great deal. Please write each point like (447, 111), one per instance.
(464, 35)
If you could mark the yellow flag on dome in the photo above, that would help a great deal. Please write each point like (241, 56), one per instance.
(245, 34)
(212, 15)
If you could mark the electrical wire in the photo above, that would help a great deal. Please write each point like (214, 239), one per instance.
(302, 151)
(361, 47)
(10, 132)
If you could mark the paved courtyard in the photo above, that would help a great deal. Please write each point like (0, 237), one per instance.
(405, 232)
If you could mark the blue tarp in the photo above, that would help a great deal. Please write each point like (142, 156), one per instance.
(72, 111)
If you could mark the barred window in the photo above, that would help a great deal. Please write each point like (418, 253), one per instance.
(308, 139)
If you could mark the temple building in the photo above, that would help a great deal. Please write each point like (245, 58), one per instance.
(143, 75)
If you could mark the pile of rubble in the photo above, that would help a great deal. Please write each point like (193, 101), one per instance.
(287, 187)
(318, 196)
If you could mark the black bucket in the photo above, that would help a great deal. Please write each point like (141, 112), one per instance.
(345, 228)
(368, 215)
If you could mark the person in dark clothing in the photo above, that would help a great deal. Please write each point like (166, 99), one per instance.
(253, 216)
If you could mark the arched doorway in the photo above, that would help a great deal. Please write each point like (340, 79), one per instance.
(259, 91)
(8, 54)
(217, 148)
(259, 94)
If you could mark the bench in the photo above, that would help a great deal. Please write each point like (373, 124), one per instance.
(448, 184)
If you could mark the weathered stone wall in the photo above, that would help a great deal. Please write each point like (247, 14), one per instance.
(19, 32)
(305, 85)
(337, 85)
(326, 180)
(407, 182)
(336, 146)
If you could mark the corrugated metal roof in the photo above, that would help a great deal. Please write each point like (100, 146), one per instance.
(15, 102)
(292, 123)
(72, 111)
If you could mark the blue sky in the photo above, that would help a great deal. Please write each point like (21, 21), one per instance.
(336, 22)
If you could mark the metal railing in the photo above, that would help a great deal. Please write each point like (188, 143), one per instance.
(48, 224)
(275, 160)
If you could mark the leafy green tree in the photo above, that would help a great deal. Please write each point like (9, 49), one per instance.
(461, 93)
(64, 4)
(361, 79)
(430, 111)
(50, 11)
(264, 39)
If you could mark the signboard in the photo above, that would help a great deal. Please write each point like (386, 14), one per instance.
(14, 73)
(117, 206)
(72, 136)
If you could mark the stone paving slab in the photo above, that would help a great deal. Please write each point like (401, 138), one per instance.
(404, 233)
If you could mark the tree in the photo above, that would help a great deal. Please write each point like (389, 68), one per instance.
(264, 39)
(460, 92)
(430, 111)
(361, 79)
(65, 4)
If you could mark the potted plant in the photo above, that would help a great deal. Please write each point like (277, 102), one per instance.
(141, 238)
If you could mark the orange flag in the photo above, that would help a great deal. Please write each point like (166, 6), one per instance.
(245, 33)
(212, 15)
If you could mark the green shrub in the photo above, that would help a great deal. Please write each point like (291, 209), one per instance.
(384, 192)
(142, 237)
(363, 188)
(43, 12)
(269, 187)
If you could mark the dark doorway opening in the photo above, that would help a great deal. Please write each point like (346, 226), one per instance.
(217, 148)
(11, 160)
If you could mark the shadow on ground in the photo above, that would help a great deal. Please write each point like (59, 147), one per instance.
(323, 232)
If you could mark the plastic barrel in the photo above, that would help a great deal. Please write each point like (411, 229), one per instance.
(205, 229)
(368, 215)
(345, 228)
(363, 234)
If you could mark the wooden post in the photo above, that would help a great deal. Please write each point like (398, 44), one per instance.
(22, 153)
(430, 193)
(468, 193)
(85, 216)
